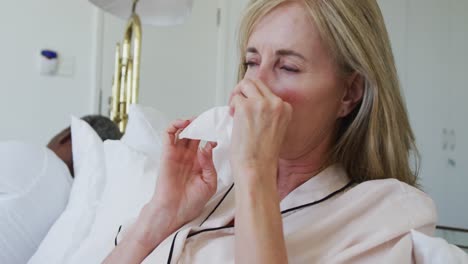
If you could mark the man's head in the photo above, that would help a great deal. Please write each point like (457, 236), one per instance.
(61, 144)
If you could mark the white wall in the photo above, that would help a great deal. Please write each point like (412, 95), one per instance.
(178, 70)
(430, 40)
(229, 49)
(34, 107)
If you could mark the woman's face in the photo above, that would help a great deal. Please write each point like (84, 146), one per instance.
(286, 52)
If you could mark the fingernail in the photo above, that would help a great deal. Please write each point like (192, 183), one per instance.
(208, 148)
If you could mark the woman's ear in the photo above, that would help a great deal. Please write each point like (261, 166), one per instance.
(354, 91)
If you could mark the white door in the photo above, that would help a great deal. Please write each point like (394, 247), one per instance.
(457, 151)
(436, 90)
(178, 68)
(229, 53)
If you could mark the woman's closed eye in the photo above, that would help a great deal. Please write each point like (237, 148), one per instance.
(249, 64)
(290, 69)
(287, 68)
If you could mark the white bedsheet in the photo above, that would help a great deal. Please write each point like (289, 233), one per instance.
(34, 189)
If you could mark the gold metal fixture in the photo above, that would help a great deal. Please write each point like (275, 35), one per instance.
(126, 81)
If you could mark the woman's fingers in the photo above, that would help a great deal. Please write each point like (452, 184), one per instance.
(264, 89)
(177, 124)
(237, 101)
(247, 89)
(205, 159)
(212, 144)
(250, 89)
(193, 145)
(173, 131)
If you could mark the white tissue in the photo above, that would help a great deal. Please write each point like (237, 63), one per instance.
(214, 125)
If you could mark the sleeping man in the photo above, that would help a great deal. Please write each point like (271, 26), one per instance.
(35, 185)
(61, 144)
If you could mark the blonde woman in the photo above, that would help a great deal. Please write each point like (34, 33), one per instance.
(320, 152)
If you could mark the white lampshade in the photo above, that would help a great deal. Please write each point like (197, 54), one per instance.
(151, 12)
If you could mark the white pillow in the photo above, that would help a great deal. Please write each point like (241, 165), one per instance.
(34, 189)
(131, 166)
(74, 224)
(431, 250)
(144, 129)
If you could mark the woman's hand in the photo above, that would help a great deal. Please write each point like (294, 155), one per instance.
(187, 180)
(187, 177)
(260, 122)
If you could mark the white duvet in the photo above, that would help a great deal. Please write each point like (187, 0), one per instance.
(34, 189)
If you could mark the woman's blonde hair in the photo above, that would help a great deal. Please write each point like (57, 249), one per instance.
(375, 141)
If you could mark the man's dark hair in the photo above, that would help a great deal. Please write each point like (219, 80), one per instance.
(104, 127)
(61, 144)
